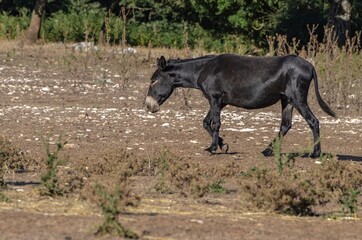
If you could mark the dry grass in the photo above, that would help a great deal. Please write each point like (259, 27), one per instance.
(339, 69)
(299, 193)
(11, 158)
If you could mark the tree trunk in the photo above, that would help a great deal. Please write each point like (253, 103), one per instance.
(35, 22)
(124, 16)
(340, 19)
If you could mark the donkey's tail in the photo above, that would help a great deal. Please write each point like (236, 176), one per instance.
(321, 102)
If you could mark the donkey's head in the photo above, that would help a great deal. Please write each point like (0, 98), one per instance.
(161, 86)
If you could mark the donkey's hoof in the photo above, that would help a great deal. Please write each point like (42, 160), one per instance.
(225, 148)
(268, 152)
(210, 150)
(315, 155)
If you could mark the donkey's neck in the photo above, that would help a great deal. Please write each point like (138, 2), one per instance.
(186, 72)
(187, 82)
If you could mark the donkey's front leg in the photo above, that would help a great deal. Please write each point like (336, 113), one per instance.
(215, 110)
(207, 125)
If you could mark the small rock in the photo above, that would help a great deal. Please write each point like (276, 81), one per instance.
(45, 89)
(71, 146)
(197, 221)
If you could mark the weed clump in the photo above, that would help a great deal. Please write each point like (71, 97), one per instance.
(111, 162)
(341, 183)
(2, 170)
(59, 180)
(216, 187)
(50, 178)
(3, 197)
(175, 175)
(112, 205)
(164, 165)
(10, 158)
(298, 193)
(289, 193)
(349, 202)
(282, 160)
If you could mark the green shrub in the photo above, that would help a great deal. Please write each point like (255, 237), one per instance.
(82, 22)
(113, 204)
(109, 206)
(350, 202)
(3, 197)
(50, 178)
(12, 27)
(216, 187)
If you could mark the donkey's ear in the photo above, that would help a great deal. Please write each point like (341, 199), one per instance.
(161, 63)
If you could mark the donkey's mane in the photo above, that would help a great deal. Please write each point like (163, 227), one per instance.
(186, 60)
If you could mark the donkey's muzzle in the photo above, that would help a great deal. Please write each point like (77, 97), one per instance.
(151, 104)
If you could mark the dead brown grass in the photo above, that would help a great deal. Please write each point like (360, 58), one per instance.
(11, 158)
(339, 69)
(299, 193)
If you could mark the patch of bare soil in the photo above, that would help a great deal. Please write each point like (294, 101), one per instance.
(94, 102)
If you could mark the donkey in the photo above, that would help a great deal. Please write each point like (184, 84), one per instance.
(241, 81)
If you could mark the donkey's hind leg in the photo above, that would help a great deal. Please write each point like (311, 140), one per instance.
(313, 123)
(286, 124)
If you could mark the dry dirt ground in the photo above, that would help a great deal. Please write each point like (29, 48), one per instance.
(94, 101)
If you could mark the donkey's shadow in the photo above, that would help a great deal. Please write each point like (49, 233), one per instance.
(349, 158)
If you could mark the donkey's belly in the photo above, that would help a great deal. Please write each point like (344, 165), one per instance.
(249, 101)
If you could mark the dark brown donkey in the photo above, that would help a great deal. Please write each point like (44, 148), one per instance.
(240, 81)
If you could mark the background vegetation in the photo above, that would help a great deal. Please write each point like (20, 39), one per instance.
(217, 25)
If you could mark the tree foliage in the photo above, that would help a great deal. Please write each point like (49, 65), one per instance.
(212, 24)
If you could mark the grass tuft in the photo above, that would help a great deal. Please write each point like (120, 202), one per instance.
(349, 202)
